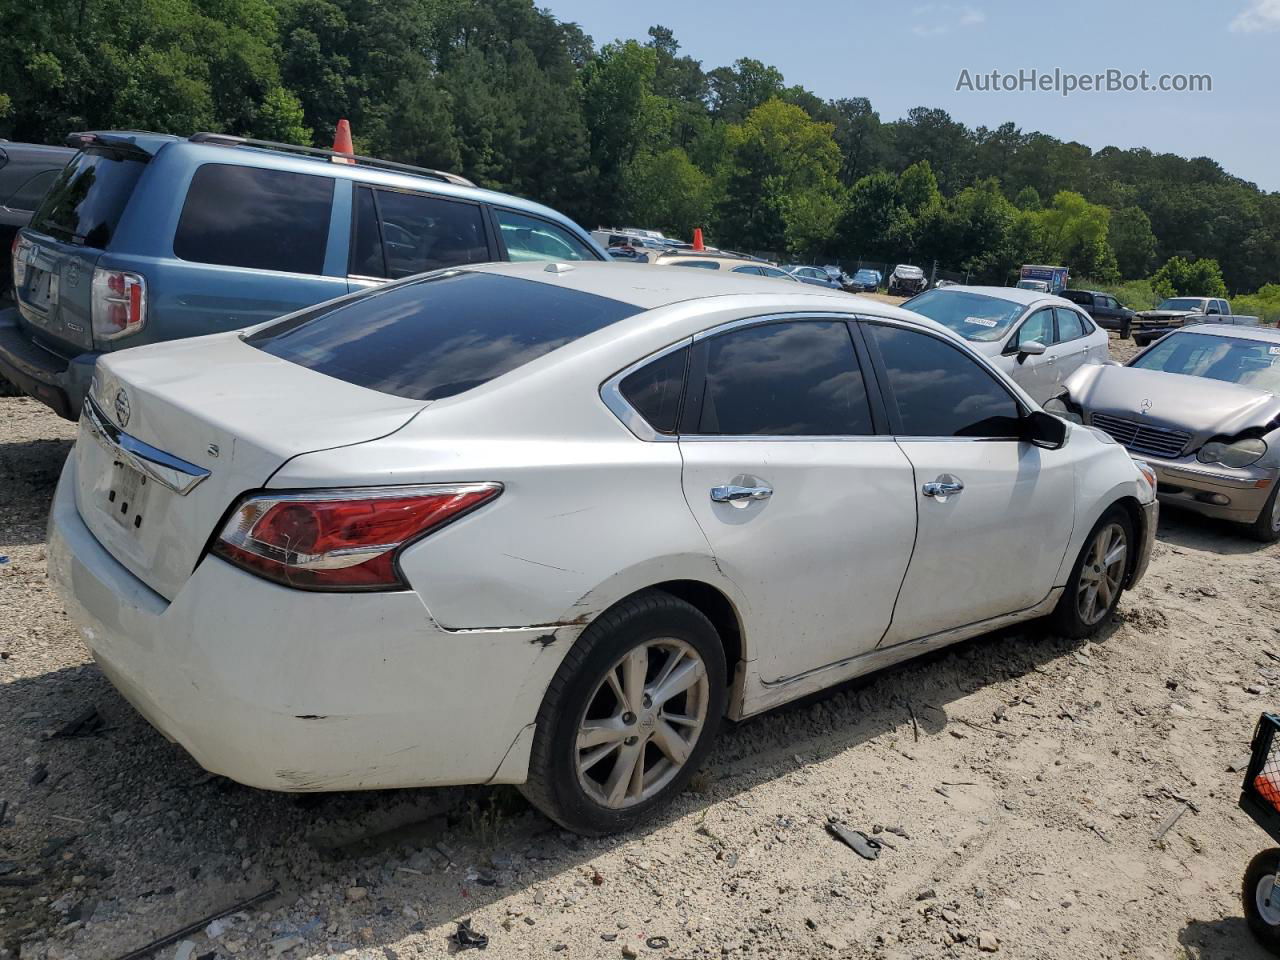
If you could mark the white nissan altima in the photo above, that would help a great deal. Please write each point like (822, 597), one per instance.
(549, 524)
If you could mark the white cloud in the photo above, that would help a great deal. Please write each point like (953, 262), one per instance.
(1258, 17)
(935, 19)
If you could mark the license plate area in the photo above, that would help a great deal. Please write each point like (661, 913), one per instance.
(126, 495)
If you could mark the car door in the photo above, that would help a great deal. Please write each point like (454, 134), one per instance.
(806, 508)
(1035, 374)
(991, 535)
(1073, 342)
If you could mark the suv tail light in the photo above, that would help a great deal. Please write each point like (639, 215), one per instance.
(119, 303)
(19, 253)
(341, 539)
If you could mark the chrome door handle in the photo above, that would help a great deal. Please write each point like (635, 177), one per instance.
(1051, 360)
(945, 486)
(731, 492)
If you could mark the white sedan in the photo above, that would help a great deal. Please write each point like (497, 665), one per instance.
(1036, 338)
(547, 525)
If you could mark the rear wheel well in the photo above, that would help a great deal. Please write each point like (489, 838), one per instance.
(717, 608)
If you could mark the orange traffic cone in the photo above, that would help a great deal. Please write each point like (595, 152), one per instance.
(342, 142)
(697, 239)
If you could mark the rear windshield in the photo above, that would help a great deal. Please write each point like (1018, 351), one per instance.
(86, 201)
(972, 315)
(439, 335)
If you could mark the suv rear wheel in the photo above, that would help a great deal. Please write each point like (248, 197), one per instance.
(629, 716)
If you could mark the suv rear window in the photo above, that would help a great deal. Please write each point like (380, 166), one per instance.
(439, 335)
(261, 219)
(85, 203)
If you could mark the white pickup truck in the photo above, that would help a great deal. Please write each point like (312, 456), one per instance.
(1174, 312)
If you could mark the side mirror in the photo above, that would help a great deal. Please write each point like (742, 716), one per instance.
(1032, 348)
(1044, 430)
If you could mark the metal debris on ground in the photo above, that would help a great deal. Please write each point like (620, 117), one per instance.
(465, 938)
(657, 943)
(147, 949)
(855, 840)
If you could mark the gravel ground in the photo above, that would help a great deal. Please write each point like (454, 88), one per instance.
(1017, 781)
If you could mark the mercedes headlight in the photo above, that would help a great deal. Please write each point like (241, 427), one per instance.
(1237, 453)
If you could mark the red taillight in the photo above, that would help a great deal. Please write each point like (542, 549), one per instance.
(119, 303)
(341, 539)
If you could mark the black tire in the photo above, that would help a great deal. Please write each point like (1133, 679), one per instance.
(553, 786)
(9, 389)
(1260, 868)
(1266, 529)
(1126, 329)
(1066, 618)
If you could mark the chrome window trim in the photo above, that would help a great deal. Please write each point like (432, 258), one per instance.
(173, 472)
(611, 394)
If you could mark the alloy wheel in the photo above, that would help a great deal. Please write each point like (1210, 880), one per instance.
(1102, 573)
(642, 722)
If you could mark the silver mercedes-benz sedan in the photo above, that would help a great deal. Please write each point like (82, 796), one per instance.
(1200, 405)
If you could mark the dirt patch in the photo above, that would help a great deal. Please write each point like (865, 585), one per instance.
(1016, 783)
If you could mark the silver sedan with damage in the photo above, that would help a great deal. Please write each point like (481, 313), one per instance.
(1202, 406)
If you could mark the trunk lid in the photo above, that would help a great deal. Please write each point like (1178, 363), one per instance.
(67, 237)
(215, 415)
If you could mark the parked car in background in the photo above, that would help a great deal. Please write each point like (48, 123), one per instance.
(1106, 310)
(1040, 286)
(865, 280)
(701, 260)
(1174, 312)
(27, 170)
(906, 281)
(1035, 338)
(816, 276)
(1202, 406)
(627, 503)
(146, 237)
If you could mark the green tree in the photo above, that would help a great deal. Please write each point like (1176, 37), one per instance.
(781, 190)
(623, 115)
(666, 191)
(1180, 277)
(1132, 242)
(1075, 235)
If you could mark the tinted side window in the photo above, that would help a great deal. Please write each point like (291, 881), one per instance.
(262, 219)
(1070, 326)
(366, 240)
(440, 335)
(754, 271)
(939, 391)
(784, 379)
(421, 233)
(700, 264)
(528, 238)
(655, 389)
(1038, 328)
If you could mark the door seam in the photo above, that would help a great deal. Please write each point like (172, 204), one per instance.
(915, 542)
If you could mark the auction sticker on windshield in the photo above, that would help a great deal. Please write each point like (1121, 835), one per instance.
(981, 321)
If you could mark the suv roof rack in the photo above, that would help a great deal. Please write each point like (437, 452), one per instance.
(227, 140)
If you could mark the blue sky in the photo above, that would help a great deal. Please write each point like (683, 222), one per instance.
(911, 53)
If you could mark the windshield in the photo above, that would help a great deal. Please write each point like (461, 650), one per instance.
(909, 272)
(1250, 363)
(866, 274)
(1181, 303)
(972, 315)
(85, 203)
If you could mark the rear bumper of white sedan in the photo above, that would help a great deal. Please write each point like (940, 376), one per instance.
(293, 691)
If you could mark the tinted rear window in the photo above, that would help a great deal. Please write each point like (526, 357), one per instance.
(262, 219)
(86, 201)
(439, 335)
(655, 390)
